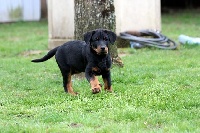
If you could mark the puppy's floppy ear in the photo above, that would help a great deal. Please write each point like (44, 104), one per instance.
(112, 36)
(88, 36)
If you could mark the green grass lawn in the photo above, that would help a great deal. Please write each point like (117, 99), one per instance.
(156, 90)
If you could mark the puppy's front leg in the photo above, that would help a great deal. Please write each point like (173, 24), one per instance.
(107, 82)
(93, 80)
(95, 85)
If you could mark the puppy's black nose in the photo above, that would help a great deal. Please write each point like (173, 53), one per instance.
(102, 48)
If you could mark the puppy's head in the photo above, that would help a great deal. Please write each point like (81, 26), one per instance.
(99, 40)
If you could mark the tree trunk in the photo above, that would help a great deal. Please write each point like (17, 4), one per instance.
(96, 14)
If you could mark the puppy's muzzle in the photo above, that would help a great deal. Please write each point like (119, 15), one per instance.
(103, 50)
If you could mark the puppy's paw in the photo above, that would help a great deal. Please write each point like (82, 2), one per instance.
(95, 85)
(108, 89)
(73, 93)
(96, 90)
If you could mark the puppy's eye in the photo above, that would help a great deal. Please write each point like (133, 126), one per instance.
(105, 38)
(97, 39)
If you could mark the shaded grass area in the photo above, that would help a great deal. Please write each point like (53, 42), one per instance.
(185, 22)
(155, 91)
(18, 37)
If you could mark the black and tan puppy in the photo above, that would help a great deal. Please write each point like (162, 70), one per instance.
(90, 56)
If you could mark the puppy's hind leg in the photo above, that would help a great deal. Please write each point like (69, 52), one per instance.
(67, 83)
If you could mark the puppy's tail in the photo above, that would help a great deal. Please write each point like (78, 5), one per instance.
(50, 54)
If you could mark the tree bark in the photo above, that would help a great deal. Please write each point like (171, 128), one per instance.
(96, 14)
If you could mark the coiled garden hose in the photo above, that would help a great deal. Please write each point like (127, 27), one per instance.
(149, 38)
